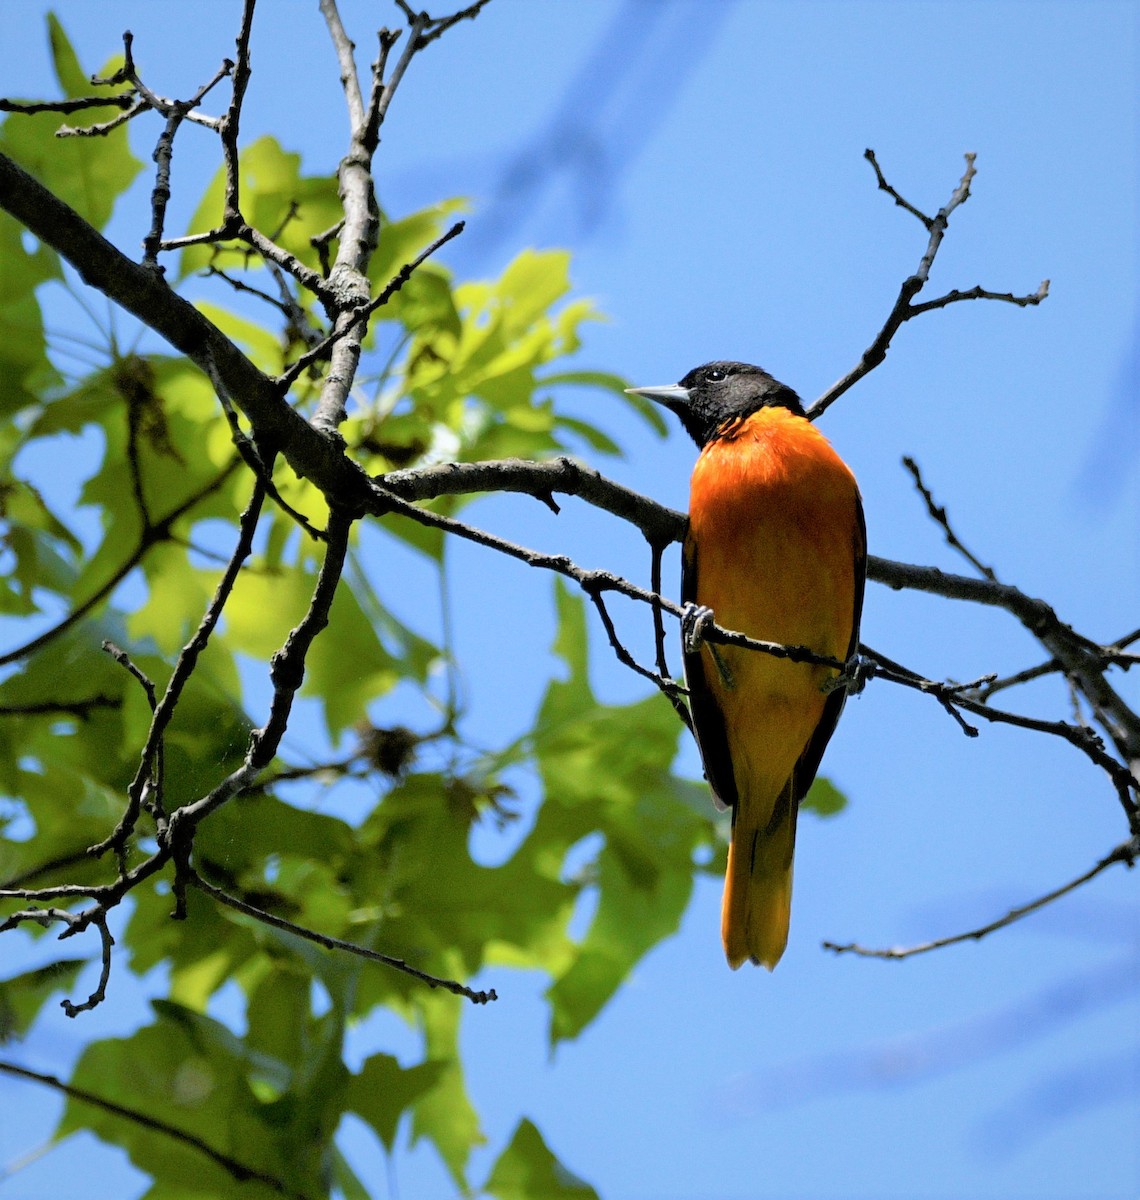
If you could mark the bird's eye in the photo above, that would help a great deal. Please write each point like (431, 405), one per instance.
(716, 375)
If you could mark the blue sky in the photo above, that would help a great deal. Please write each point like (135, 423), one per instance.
(704, 163)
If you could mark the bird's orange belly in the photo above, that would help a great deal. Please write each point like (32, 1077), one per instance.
(772, 528)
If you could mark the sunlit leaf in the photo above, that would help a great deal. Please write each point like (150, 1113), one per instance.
(382, 1091)
(527, 1169)
(88, 173)
(22, 996)
(824, 799)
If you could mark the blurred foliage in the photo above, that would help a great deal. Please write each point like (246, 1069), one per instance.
(451, 371)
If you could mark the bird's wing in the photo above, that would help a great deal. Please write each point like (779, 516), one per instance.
(708, 720)
(809, 761)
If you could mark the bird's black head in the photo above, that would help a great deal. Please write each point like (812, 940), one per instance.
(718, 392)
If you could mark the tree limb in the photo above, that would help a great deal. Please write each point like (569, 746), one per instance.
(1126, 852)
(237, 1170)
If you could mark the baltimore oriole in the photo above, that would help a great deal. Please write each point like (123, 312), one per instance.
(776, 548)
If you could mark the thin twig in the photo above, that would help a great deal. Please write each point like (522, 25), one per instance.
(107, 944)
(148, 776)
(884, 186)
(344, 47)
(938, 514)
(904, 309)
(355, 316)
(332, 943)
(122, 100)
(287, 673)
(983, 693)
(237, 1170)
(1126, 852)
(594, 582)
(678, 703)
(75, 708)
(230, 125)
(158, 532)
(102, 128)
(437, 27)
(75, 923)
(252, 456)
(979, 293)
(175, 112)
(663, 682)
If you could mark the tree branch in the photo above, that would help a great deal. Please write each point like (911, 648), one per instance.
(147, 297)
(151, 536)
(1126, 852)
(332, 943)
(904, 310)
(938, 515)
(237, 1170)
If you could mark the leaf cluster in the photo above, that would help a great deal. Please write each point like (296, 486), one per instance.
(120, 489)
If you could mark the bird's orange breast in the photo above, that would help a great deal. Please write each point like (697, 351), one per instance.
(773, 527)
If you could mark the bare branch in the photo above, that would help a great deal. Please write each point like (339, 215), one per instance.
(176, 113)
(986, 690)
(349, 322)
(938, 514)
(980, 293)
(231, 123)
(666, 685)
(107, 943)
(75, 708)
(124, 660)
(884, 186)
(148, 777)
(590, 581)
(123, 100)
(659, 525)
(904, 309)
(102, 128)
(332, 943)
(151, 536)
(252, 457)
(75, 924)
(1081, 659)
(679, 706)
(344, 47)
(1126, 852)
(137, 290)
(380, 97)
(237, 1170)
(438, 26)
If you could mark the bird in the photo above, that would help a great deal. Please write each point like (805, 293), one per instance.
(776, 548)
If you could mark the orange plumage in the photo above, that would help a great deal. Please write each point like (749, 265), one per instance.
(776, 549)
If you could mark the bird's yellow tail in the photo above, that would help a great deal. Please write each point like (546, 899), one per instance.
(758, 885)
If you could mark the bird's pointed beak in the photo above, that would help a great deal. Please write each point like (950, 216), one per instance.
(672, 395)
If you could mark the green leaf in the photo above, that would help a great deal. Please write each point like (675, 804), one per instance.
(86, 172)
(195, 1075)
(606, 769)
(276, 198)
(444, 1114)
(402, 240)
(593, 437)
(25, 372)
(646, 409)
(22, 996)
(824, 798)
(383, 1091)
(527, 1170)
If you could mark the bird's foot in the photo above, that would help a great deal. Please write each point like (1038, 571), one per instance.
(695, 620)
(854, 676)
